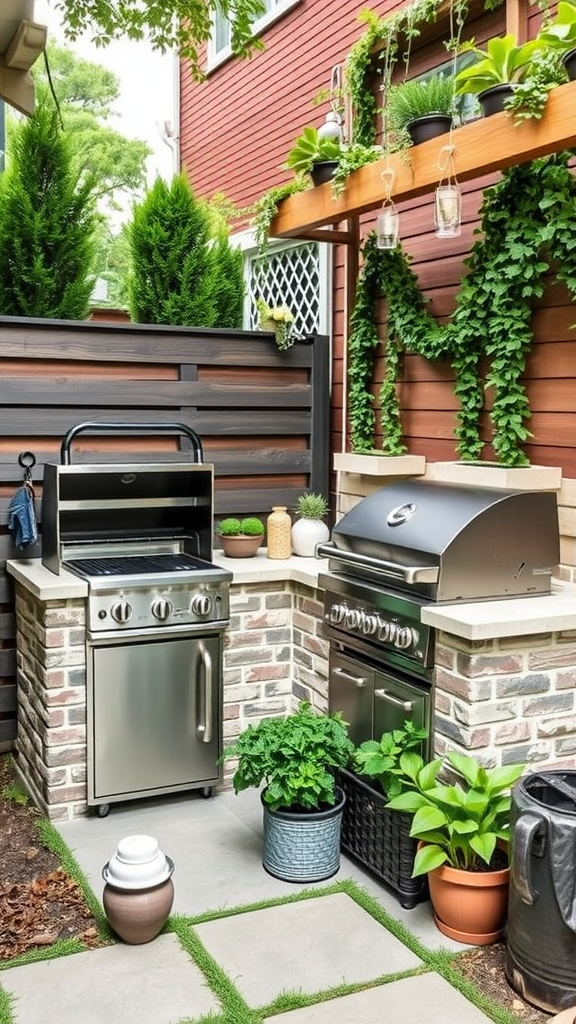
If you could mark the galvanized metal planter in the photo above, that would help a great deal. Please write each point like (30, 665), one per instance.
(303, 846)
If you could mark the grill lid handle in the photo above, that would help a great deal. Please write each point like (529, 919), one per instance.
(145, 428)
(392, 570)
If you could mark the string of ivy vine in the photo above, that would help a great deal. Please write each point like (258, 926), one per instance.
(528, 226)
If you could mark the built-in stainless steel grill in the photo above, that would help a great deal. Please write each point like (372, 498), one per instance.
(409, 544)
(140, 534)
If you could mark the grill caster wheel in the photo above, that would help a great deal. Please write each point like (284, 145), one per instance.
(102, 810)
(207, 792)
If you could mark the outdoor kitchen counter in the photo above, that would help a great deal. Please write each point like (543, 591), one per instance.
(519, 616)
(46, 586)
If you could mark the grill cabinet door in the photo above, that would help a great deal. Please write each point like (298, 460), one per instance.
(350, 690)
(396, 701)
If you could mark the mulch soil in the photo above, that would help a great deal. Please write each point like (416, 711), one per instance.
(40, 903)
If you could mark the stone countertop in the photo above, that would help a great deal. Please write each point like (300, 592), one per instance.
(518, 616)
(47, 586)
(478, 620)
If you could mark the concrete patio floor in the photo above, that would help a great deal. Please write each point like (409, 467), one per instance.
(308, 946)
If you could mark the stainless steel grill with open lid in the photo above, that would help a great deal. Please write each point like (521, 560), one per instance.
(450, 542)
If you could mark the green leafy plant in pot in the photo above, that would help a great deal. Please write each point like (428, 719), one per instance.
(241, 538)
(295, 757)
(377, 837)
(500, 70)
(560, 35)
(309, 530)
(464, 830)
(314, 155)
(420, 109)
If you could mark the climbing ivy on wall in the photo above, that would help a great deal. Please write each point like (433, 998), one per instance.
(528, 225)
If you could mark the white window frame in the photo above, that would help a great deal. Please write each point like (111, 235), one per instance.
(277, 9)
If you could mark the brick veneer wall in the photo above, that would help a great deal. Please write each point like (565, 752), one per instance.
(51, 673)
(274, 656)
(509, 701)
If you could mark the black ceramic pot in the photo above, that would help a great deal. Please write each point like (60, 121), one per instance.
(569, 62)
(428, 127)
(323, 171)
(492, 100)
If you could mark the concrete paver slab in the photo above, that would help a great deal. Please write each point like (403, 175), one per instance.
(155, 983)
(307, 946)
(424, 999)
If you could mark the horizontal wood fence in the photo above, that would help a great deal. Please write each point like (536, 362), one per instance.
(262, 415)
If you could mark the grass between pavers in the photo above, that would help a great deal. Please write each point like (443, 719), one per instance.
(235, 1010)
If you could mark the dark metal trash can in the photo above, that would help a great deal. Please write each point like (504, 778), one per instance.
(541, 942)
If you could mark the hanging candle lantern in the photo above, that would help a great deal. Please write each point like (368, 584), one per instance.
(448, 200)
(388, 221)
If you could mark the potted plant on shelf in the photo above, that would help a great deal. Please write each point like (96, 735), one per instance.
(241, 538)
(278, 319)
(296, 757)
(314, 155)
(309, 530)
(560, 35)
(504, 69)
(377, 837)
(419, 110)
(463, 828)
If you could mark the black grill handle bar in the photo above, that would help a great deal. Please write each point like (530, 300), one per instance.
(408, 573)
(145, 428)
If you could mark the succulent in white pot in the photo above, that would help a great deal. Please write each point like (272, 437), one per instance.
(309, 530)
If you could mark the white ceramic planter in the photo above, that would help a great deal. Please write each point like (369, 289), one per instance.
(306, 534)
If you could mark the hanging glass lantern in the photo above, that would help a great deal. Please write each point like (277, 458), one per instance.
(388, 220)
(448, 200)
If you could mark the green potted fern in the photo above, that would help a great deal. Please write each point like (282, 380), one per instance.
(309, 530)
(420, 109)
(295, 758)
(240, 538)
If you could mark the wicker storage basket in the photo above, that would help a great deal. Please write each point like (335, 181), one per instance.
(380, 839)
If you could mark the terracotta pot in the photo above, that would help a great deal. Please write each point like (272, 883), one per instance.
(241, 547)
(138, 915)
(469, 906)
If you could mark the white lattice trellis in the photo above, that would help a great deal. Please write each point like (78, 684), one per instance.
(289, 277)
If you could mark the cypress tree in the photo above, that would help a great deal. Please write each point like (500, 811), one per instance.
(184, 271)
(47, 222)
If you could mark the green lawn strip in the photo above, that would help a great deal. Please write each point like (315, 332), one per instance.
(6, 1007)
(441, 962)
(234, 1008)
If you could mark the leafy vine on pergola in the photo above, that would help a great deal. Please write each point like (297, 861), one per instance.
(528, 227)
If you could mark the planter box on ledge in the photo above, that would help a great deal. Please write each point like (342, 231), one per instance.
(490, 474)
(380, 465)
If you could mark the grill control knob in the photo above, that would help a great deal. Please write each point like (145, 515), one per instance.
(370, 624)
(337, 614)
(121, 611)
(405, 638)
(201, 604)
(161, 609)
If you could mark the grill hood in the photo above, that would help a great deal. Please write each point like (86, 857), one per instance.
(450, 542)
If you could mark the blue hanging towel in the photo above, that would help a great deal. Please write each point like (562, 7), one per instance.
(22, 517)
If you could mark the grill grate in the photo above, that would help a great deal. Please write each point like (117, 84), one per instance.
(134, 565)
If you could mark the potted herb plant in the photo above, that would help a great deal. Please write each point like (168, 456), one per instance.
(497, 71)
(560, 35)
(314, 155)
(420, 109)
(295, 757)
(309, 530)
(375, 836)
(463, 828)
(241, 538)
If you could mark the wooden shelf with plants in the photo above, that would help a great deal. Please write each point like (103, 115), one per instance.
(480, 147)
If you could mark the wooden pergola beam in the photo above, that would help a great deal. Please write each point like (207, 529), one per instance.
(481, 147)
